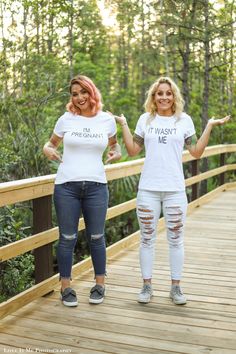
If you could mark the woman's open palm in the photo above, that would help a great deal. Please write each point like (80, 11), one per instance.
(221, 121)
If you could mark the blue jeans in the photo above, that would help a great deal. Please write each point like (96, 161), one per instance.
(72, 198)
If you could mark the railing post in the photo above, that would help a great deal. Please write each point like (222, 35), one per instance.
(195, 171)
(42, 220)
(222, 163)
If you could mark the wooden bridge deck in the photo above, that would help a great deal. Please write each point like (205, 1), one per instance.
(207, 324)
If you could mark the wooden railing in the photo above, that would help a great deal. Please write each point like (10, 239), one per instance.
(40, 189)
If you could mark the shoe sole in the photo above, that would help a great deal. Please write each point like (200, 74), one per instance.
(178, 302)
(94, 301)
(145, 301)
(70, 304)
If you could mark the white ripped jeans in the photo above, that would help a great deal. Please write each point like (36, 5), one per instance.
(174, 207)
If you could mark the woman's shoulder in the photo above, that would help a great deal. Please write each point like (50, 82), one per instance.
(105, 116)
(184, 115)
(66, 116)
(144, 117)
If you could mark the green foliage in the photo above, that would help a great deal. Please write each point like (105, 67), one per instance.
(12, 228)
(16, 275)
(121, 227)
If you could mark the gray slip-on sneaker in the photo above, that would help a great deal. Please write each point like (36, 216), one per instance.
(97, 294)
(69, 298)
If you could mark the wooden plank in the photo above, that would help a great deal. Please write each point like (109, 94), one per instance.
(25, 183)
(30, 345)
(25, 193)
(202, 176)
(159, 340)
(160, 305)
(214, 172)
(111, 308)
(231, 185)
(123, 169)
(108, 323)
(121, 209)
(211, 151)
(27, 244)
(206, 198)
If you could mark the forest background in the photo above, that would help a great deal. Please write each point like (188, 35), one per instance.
(123, 45)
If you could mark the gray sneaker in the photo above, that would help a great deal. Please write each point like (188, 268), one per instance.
(145, 294)
(69, 298)
(177, 296)
(97, 294)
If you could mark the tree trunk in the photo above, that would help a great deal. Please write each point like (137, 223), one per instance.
(4, 53)
(205, 101)
(142, 67)
(186, 57)
(231, 70)
(51, 26)
(71, 39)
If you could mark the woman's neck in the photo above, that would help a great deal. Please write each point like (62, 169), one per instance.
(165, 114)
(88, 114)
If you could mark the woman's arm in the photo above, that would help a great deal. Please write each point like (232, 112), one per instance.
(133, 145)
(50, 148)
(114, 152)
(197, 147)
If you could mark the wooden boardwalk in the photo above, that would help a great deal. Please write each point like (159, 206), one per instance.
(207, 324)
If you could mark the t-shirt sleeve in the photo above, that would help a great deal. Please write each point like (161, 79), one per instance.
(139, 130)
(190, 129)
(112, 127)
(59, 128)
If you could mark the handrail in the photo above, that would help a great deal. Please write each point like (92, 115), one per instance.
(38, 188)
(115, 171)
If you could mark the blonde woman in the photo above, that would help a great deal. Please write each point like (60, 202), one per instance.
(163, 130)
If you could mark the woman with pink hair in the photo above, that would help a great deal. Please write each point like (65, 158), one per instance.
(81, 184)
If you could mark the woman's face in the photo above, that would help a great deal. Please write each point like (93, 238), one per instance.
(81, 99)
(164, 100)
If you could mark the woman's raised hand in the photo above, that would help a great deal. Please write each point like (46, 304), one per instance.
(221, 121)
(119, 119)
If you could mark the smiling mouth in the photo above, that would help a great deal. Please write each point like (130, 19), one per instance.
(81, 103)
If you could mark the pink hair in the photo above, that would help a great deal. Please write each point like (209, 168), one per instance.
(94, 93)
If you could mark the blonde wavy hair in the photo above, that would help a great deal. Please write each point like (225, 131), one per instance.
(150, 105)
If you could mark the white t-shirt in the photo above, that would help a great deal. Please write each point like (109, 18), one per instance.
(85, 140)
(164, 141)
